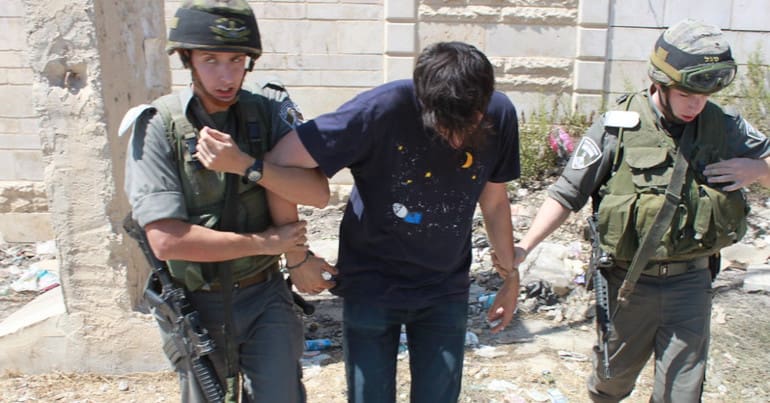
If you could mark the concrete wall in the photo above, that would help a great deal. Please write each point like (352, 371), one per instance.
(90, 60)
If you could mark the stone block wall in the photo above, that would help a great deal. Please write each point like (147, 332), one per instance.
(581, 53)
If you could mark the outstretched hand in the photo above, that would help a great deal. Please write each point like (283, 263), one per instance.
(735, 173)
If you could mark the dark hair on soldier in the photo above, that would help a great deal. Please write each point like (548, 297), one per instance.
(454, 82)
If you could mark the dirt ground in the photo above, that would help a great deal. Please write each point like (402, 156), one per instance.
(547, 349)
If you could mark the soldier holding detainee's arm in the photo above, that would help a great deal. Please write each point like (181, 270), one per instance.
(665, 170)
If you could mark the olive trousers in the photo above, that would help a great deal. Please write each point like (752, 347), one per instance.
(668, 317)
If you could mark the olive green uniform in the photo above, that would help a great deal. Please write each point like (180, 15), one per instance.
(670, 308)
(163, 181)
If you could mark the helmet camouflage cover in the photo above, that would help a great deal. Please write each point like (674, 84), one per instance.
(220, 25)
(693, 56)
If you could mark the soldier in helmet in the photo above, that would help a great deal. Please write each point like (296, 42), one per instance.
(215, 231)
(659, 243)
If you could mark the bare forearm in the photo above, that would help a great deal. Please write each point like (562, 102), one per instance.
(550, 216)
(178, 240)
(306, 186)
(765, 179)
(496, 210)
(283, 212)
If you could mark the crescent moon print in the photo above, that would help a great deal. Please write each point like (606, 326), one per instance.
(468, 160)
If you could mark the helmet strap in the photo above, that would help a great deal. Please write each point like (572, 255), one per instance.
(200, 90)
(665, 96)
(185, 58)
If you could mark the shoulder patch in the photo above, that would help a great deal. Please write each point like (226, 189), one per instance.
(754, 133)
(290, 113)
(130, 117)
(622, 119)
(586, 154)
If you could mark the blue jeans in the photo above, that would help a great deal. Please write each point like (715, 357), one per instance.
(436, 339)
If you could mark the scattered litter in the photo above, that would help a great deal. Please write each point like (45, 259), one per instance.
(538, 396)
(542, 291)
(501, 386)
(317, 344)
(35, 279)
(572, 356)
(471, 339)
(514, 399)
(486, 300)
(46, 248)
(316, 360)
(489, 352)
(557, 396)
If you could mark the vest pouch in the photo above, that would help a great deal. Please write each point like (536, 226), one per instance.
(647, 208)
(202, 186)
(720, 219)
(616, 226)
(253, 214)
(651, 167)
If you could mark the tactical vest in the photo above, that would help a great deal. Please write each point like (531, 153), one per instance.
(204, 190)
(706, 220)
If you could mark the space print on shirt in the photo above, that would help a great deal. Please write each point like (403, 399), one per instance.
(421, 199)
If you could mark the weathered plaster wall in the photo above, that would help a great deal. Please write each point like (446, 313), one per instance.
(89, 62)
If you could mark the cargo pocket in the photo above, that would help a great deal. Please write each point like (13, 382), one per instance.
(720, 219)
(617, 234)
(651, 167)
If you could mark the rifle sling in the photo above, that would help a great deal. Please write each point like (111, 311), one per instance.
(662, 222)
(226, 222)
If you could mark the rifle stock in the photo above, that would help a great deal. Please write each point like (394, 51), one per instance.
(603, 319)
(168, 301)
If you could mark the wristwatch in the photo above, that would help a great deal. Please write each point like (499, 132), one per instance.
(254, 172)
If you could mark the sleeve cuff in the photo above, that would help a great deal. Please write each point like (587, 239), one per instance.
(159, 206)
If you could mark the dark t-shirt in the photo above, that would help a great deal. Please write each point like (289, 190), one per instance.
(405, 234)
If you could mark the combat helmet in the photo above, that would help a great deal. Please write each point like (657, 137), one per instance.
(692, 56)
(219, 25)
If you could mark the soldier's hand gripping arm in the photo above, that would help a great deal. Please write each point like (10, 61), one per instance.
(306, 270)
(173, 239)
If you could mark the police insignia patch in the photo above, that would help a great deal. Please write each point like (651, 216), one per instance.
(754, 133)
(291, 114)
(586, 154)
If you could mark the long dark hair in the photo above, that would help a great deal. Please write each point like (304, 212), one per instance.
(454, 82)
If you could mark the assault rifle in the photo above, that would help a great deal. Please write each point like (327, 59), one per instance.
(191, 340)
(599, 260)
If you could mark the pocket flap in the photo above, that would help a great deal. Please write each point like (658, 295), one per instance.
(646, 157)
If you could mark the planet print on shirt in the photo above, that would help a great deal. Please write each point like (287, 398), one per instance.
(413, 217)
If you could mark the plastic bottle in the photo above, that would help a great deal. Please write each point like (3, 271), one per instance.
(486, 300)
(317, 344)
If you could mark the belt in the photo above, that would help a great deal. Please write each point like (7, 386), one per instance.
(257, 278)
(668, 269)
